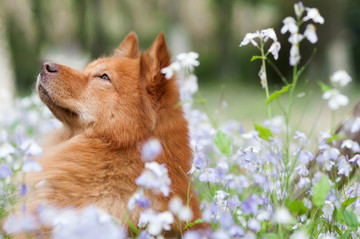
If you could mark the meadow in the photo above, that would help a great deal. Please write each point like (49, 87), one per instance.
(281, 170)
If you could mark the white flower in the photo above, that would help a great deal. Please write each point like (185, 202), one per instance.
(355, 159)
(355, 127)
(249, 37)
(313, 13)
(295, 38)
(31, 165)
(340, 79)
(151, 149)
(328, 210)
(336, 99)
(171, 70)
(262, 75)
(6, 149)
(299, 8)
(254, 225)
(188, 60)
(352, 145)
(282, 216)
(155, 176)
(274, 49)
(294, 55)
(344, 168)
(289, 26)
(268, 33)
(176, 206)
(299, 235)
(310, 33)
(156, 222)
(31, 148)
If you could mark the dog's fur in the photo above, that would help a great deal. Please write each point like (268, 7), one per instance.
(95, 158)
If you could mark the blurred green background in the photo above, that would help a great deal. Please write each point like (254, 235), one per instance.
(73, 32)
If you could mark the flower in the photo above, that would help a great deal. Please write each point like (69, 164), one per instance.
(282, 216)
(299, 8)
(171, 70)
(176, 206)
(328, 210)
(352, 145)
(355, 127)
(262, 75)
(31, 148)
(6, 149)
(310, 33)
(344, 167)
(274, 49)
(188, 60)
(5, 171)
(249, 37)
(340, 79)
(254, 225)
(151, 149)
(138, 198)
(299, 235)
(289, 26)
(155, 222)
(294, 55)
(31, 165)
(20, 223)
(155, 176)
(268, 33)
(355, 159)
(336, 99)
(313, 14)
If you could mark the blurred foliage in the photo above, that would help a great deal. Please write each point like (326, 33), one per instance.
(214, 28)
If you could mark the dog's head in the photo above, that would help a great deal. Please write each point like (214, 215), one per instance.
(116, 97)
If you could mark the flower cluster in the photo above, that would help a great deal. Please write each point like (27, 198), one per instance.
(292, 26)
(335, 99)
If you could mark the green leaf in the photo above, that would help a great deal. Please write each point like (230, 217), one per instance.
(346, 235)
(223, 143)
(350, 219)
(264, 133)
(296, 207)
(339, 216)
(347, 202)
(334, 137)
(198, 221)
(276, 94)
(271, 236)
(320, 192)
(324, 87)
(253, 58)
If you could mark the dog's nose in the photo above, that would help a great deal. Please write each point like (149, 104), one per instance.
(50, 67)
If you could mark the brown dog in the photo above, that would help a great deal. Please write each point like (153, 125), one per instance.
(107, 111)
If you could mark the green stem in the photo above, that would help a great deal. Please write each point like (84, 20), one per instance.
(263, 65)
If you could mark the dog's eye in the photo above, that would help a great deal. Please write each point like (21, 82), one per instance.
(105, 77)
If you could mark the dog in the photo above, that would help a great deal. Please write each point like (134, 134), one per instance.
(108, 110)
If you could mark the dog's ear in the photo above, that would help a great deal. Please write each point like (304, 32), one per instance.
(152, 61)
(129, 46)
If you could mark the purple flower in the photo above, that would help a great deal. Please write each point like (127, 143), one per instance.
(31, 148)
(250, 206)
(20, 223)
(233, 202)
(31, 165)
(23, 190)
(150, 150)
(155, 176)
(6, 149)
(5, 171)
(209, 175)
(305, 156)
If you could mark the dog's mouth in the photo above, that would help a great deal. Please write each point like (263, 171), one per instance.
(52, 104)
